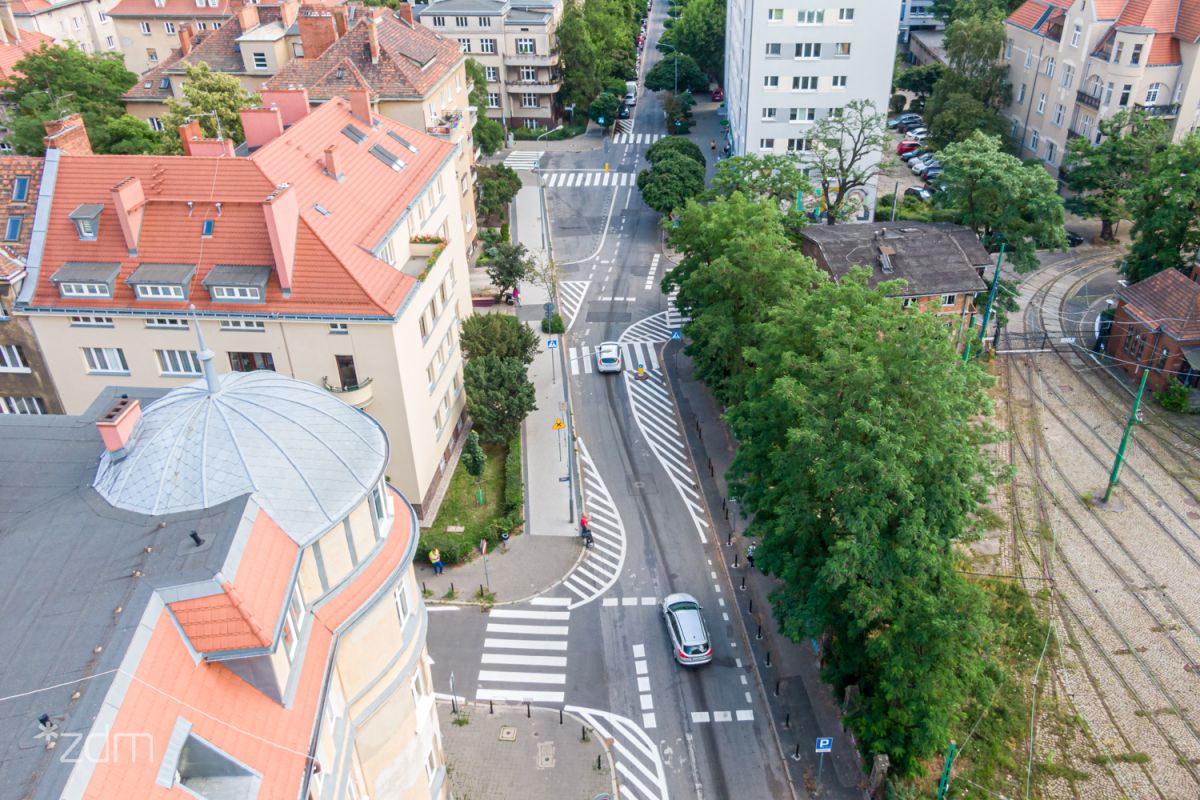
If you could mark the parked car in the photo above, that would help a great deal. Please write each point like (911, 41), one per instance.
(907, 146)
(1074, 239)
(925, 157)
(623, 112)
(922, 193)
(718, 95)
(921, 167)
(630, 99)
(932, 173)
(903, 119)
(690, 643)
(911, 154)
(608, 357)
(907, 125)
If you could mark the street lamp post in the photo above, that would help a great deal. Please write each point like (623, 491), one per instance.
(676, 52)
(547, 133)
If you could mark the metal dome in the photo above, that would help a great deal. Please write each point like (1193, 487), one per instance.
(307, 457)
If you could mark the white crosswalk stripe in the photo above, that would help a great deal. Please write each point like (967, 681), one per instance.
(582, 360)
(640, 354)
(602, 563)
(675, 320)
(637, 138)
(640, 773)
(653, 328)
(650, 276)
(515, 665)
(524, 159)
(570, 299)
(625, 126)
(565, 180)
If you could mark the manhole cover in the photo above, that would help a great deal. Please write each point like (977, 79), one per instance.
(508, 733)
(545, 755)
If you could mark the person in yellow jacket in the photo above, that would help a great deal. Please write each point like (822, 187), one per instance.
(435, 558)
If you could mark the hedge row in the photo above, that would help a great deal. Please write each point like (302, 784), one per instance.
(514, 482)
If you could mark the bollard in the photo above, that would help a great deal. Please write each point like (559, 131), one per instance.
(481, 590)
(727, 515)
(598, 767)
(797, 756)
(723, 506)
(529, 713)
(743, 586)
(583, 733)
(491, 706)
(729, 539)
(735, 559)
(777, 688)
(768, 659)
(787, 722)
(451, 587)
(759, 636)
(424, 588)
(752, 605)
(560, 718)
(454, 704)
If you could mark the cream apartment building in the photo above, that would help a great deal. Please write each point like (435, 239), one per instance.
(148, 30)
(334, 253)
(1073, 63)
(85, 22)
(516, 45)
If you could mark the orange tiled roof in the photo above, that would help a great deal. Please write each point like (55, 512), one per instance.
(1029, 13)
(149, 86)
(12, 254)
(334, 272)
(22, 7)
(1168, 299)
(228, 712)
(12, 52)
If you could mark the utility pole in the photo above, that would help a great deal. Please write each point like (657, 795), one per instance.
(1133, 419)
(944, 783)
(987, 309)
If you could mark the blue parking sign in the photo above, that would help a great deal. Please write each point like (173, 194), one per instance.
(824, 745)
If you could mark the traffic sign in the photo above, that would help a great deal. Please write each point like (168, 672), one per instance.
(483, 546)
(676, 336)
(552, 344)
(558, 424)
(601, 120)
(824, 745)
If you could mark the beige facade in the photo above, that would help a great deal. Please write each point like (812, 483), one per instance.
(147, 37)
(515, 43)
(85, 22)
(1078, 69)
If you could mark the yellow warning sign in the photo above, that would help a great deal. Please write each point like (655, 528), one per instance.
(558, 424)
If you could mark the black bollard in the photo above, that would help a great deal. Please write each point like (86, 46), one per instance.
(598, 767)
(560, 718)
(777, 688)
(735, 559)
(768, 659)
(787, 721)
(729, 539)
(529, 713)
(751, 606)
(491, 706)
(759, 636)
(583, 733)
(797, 756)
(451, 587)
(743, 586)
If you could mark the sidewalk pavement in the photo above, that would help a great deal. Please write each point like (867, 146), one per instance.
(509, 756)
(514, 571)
(804, 702)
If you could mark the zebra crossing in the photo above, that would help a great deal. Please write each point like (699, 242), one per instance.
(637, 138)
(640, 774)
(524, 159)
(597, 178)
(583, 358)
(653, 328)
(675, 319)
(602, 562)
(570, 299)
(524, 655)
(625, 126)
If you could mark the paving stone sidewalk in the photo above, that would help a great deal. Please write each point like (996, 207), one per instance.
(538, 760)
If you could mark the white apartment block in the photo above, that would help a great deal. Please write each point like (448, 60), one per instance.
(788, 63)
(917, 15)
(1073, 63)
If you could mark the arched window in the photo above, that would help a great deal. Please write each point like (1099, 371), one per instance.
(1095, 86)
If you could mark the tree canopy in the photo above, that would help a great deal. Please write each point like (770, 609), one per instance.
(1165, 206)
(700, 33)
(604, 107)
(498, 185)
(488, 133)
(678, 145)
(208, 97)
(499, 396)
(500, 335)
(671, 182)
(920, 80)
(845, 155)
(974, 89)
(507, 265)
(662, 76)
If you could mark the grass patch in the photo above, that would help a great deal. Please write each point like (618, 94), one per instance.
(461, 508)
(990, 520)
(1123, 758)
(1049, 769)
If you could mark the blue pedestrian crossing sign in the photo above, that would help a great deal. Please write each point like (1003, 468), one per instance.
(552, 344)
(824, 745)
(676, 336)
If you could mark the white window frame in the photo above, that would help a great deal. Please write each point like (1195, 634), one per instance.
(236, 293)
(809, 17)
(464, 44)
(774, 49)
(169, 27)
(159, 291)
(83, 289)
(839, 81)
(295, 618)
(949, 300)
(845, 15)
(255, 325)
(105, 361)
(1075, 34)
(774, 15)
(91, 322)
(259, 59)
(487, 46)
(770, 114)
(144, 27)
(170, 323)
(12, 359)
(403, 603)
(526, 47)
(178, 363)
(22, 405)
(770, 81)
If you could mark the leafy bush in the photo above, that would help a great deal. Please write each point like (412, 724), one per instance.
(897, 103)
(554, 324)
(567, 132)
(455, 547)
(675, 144)
(514, 480)
(1174, 397)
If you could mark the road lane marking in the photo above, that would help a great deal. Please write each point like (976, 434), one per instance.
(699, 716)
(639, 651)
(647, 722)
(647, 702)
(640, 667)
(522, 677)
(722, 716)
(525, 661)
(610, 601)
(543, 630)
(548, 601)
(518, 614)
(643, 684)
(745, 715)
(524, 644)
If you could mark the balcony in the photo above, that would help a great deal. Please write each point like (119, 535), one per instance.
(531, 60)
(1159, 110)
(423, 254)
(445, 126)
(1083, 98)
(359, 395)
(534, 87)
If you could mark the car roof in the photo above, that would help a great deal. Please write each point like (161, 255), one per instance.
(691, 626)
(609, 346)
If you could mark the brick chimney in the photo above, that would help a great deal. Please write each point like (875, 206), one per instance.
(281, 212)
(261, 125)
(118, 426)
(187, 37)
(194, 143)
(406, 12)
(130, 201)
(360, 105)
(317, 31)
(248, 17)
(291, 102)
(68, 135)
(373, 37)
(332, 166)
(341, 16)
(288, 12)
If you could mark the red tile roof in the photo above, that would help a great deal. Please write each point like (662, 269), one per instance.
(1168, 298)
(12, 254)
(1030, 12)
(21, 7)
(12, 52)
(334, 272)
(226, 711)
(1172, 21)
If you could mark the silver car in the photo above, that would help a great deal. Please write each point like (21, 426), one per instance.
(608, 357)
(690, 643)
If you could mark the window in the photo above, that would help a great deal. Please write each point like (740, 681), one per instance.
(294, 623)
(485, 22)
(493, 100)
(151, 54)
(1162, 359)
(243, 325)
(236, 293)
(774, 48)
(165, 83)
(144, 27)
(169, 27)
(12, 359)
(431, 765)
(156, 291)
(806, 83)
(91, 322)
(487, 45)
(530, 101)
(202, 26)
(1116, 56)
(401, 595)
(769, 114)
(529, 74)
(1012, 131)
(1108, 93)
(949, 299)
(841, 49)
(1049, 68)
(260, 60)
(838, 81)
(1028, 59)
(1126, 90)
(1041, 104)
(105, 360)
(492, 74)
(1086, 126)
(1008, 46)
(178, 362)
(206, 228)
(799, 145)
(1051, 152)
(439, 22)
(83, 289)
(1075, 36)
(802, 114)
(1068, 77)
(808, 50)
(110, 41)
(807, 17)
(249, 362)
(1034, 137)
(1152, 94)
(167, 322)
(20, 192)
(845, 14)
(22, 405)
(461, 22)
(155, 123)
(771, 81)
(12, 229)
(464, 44)
(774, 15)
(103, 17)
(525, 47)
(298, 49)
(1135, 56)
(1059, 113)
(1021, 95)
(766, 144)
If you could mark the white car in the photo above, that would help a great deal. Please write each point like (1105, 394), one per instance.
(608, 357)
(918, 134)
(631, 99)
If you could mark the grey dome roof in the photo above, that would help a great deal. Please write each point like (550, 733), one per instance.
(307, 457)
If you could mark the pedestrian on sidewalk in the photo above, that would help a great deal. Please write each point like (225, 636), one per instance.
(750, 555)
(435, 558)
(516, 295)
(585, 531)
(713, 145)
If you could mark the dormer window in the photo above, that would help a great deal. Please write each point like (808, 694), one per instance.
(83, 289)
(162, 281)
(159, 291)
(235, 283)
(86, 279)
(87, 221)
(236, 293)
(20, 191)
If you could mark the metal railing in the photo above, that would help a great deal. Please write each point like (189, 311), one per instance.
(1088, 100)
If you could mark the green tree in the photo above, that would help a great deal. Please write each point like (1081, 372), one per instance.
(671, 182)
(500, 335)
(1002, 199)
(508, 264)
(130, 135)
(1005, 303)
(604, 107)
(207, 97)
(488, 133)
(52, 82)
(779, 177)
(582, 69)
(954, 115)
(678, 111)
(845, 157)
(861, 456)
(1165, 207)
(700, 33)
(1102, 175)
(499, 396)
(474, 460)
(974, 89)
(675, 145)
(498, 185)
(920, 80)
(662, 76)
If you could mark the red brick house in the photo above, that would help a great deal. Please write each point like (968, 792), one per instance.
(1157, 325)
